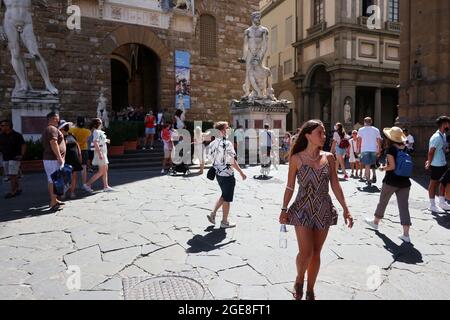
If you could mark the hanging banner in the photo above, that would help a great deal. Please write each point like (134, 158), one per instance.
(183, 79)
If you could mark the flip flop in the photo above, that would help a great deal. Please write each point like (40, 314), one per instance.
(55, 208)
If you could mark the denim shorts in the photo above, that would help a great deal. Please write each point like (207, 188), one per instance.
(369, 158)
(150, 131)
(340, 151)
(227, 185)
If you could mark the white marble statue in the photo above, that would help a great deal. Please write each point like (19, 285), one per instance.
(18, 25)
(347, 112)
(258, 76)
(102, 112)
(184, 4)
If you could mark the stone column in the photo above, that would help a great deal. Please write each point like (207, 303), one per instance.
(378, 108)
(306, 106)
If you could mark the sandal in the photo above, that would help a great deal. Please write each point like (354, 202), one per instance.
(298, 291)
(310, 295)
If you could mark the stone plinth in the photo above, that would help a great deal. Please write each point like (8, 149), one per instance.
(29, 113)
(254, 114)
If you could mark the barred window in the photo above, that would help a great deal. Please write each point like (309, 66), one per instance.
(394, 10)
(319, 14)
(208, 36)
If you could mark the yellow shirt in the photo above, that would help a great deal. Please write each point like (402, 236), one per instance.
(82, 135)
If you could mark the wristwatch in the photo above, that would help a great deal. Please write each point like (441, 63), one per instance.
(284, 209)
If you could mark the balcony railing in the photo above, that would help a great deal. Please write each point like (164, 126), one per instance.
(393, 26)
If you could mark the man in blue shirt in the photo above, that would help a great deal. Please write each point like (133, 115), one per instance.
(437, 164)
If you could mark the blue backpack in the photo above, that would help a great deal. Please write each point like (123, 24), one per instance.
(403, 164)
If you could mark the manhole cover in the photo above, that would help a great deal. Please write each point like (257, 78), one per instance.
(164, 288)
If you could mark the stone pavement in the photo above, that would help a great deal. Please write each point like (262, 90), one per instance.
(156, 225)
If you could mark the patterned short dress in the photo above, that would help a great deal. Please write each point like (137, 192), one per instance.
(313, 207)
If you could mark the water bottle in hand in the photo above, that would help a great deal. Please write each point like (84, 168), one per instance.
(283, 236)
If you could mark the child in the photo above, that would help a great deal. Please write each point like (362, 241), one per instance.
(354, 153)
(166, 136)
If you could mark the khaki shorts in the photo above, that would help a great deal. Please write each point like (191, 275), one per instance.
(11, 167)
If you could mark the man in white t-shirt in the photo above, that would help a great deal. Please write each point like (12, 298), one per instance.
(266, 141)
(410, 141)
(369, 142)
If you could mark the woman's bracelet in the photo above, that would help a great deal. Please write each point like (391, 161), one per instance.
(284, 209)
(289, 188)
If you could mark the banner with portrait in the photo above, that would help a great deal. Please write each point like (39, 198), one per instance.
(183, 80)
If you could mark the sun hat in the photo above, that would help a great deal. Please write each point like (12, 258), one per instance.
(64, 123)
(395, 134)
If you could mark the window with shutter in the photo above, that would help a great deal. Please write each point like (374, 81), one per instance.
(208, 36)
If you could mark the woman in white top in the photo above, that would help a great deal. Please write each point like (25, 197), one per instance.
(100, 157)
(340, 149)
(179, 119)
(199, 148)
(354, 154)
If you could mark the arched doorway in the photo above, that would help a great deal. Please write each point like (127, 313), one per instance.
(292, 116)
(320, 95)
(135, 78)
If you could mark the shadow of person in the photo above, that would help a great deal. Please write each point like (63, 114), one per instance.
(209, 242)
(442, 219)
(405, 252)
(371, 189)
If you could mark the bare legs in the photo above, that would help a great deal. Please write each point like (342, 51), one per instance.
(102, 173)
(225, 209)
(340, 161)
(310, 244)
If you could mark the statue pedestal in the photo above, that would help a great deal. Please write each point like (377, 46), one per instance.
(254, 114)
(29, 112)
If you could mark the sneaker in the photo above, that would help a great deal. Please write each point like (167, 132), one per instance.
(404, 238)
(163, 171)
(444, 206)
(87, 188)
(372, 224)
(227, 225)
(211, 218)
(143, 148)
(345, 177)
(151, 148)
(109, 189)
(436, 209)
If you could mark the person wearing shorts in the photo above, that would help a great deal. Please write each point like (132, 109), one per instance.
(437, 164)
(369, 142)
(82, 135)
(54, 155)
(222, 154)
(13, 148)
(354, 155)
(150, 130)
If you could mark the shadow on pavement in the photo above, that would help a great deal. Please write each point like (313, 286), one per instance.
(371, 189)
(35, 199)
(405, 252)
(442, 219)
(423, 181)
(209, 242)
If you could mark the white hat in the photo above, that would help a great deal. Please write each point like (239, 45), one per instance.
(64, 123)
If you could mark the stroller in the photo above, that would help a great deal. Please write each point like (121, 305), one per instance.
(180, 167)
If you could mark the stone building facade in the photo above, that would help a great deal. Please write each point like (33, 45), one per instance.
(425, 68)
(341, 63)
(128, 49)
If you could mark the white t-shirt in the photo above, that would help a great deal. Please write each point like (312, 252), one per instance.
(266, 138)
(369, 136)
(410, 142)
(221, 153)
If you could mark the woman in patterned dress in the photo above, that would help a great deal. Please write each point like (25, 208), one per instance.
(312, 212)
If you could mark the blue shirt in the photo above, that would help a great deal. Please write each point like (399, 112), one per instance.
(439, 142)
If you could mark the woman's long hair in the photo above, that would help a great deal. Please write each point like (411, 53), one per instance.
(301, 143)
(340, 130)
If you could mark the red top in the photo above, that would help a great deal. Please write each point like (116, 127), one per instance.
(150, 122)
(165, 135)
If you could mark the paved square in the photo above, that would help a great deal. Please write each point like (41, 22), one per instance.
(156, 225)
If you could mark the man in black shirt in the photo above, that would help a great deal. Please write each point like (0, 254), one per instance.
(13, 147)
